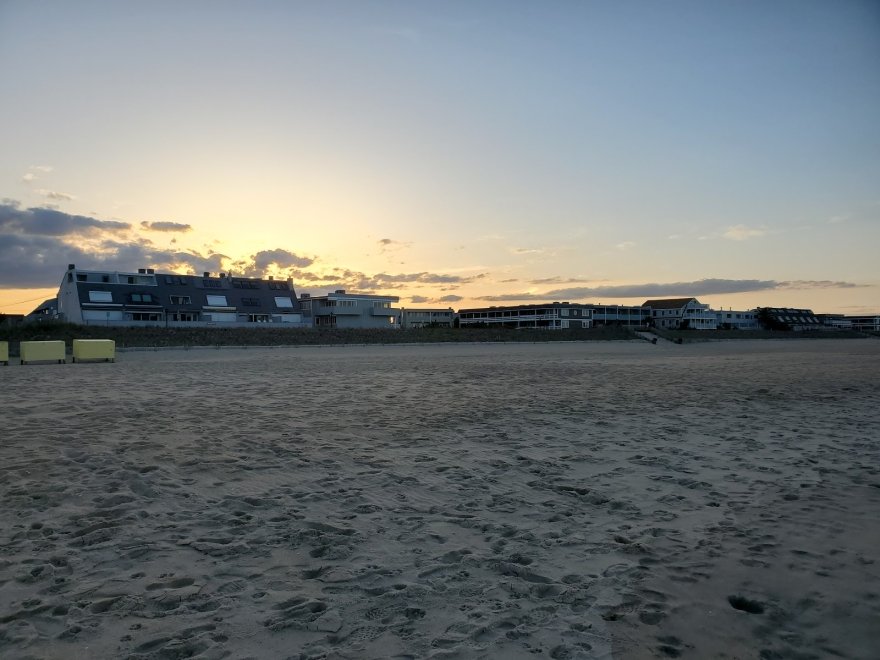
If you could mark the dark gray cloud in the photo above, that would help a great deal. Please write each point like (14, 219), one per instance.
(165, 226)
(667, 290)
(451, 298)
(36, 244)
(39, 261)
(280, 258)
(259, 264)
(51, 222)
(419, 299)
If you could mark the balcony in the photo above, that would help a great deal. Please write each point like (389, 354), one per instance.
(337, 311)
(384, 311)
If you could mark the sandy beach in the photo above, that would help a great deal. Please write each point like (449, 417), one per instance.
(584, 500)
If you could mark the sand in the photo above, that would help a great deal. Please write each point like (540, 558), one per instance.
(585, 500)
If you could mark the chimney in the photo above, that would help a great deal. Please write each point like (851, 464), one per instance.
(206, 274)
(304, 296)
(142, 271)
(223, 275)
(151, 271)
(271, 278)
(71, 266)
(339, 291)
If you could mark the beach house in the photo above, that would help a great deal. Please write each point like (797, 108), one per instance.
(412, 317)
(681, 313)
(350, 310)
(730, 319)
(549, 316)
(147, 298)
(620, 315)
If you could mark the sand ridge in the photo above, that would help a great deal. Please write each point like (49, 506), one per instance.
(592, 500)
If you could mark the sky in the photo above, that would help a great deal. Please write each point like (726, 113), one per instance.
(457, 153)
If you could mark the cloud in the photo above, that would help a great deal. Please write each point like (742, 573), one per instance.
(36, 244)
(280, 258)
(51, 222)
(390, 245)
(626, 245)
(356, 281)
(33, 174)
(53, 194)
(837, 219)
(259, 264)
(818, 284)
(743, 233)
(419, 299)
(451, 298)
(551, 280)
(165, 226)
(37, 261)
(669, 290)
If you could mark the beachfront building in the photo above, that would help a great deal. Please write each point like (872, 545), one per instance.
(147, 298)
(632, 316)
(834, 321)
(865, 323)
(681, 314)
(788, 318)
(46, 311)
(426, 318)
(350, 310)
(550, 316)
(729, 319)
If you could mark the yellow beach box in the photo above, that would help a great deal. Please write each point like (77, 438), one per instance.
(4, 352)
(94, 349)
(42, 350)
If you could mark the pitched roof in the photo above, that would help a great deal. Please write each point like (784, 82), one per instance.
(667, 303)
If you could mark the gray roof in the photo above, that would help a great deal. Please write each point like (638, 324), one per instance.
(667, 303)
(181, 293)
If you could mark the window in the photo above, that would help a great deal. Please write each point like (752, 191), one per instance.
(143, 298)
(281, 301)
(564, 311)
(181, 300)
(258, 318)
(250, 302)
(184, 316)
(279, 286)
(216, 301)
(381, 304)
(211, 284)
(81, 277)
(143, 316)
(100, 296)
